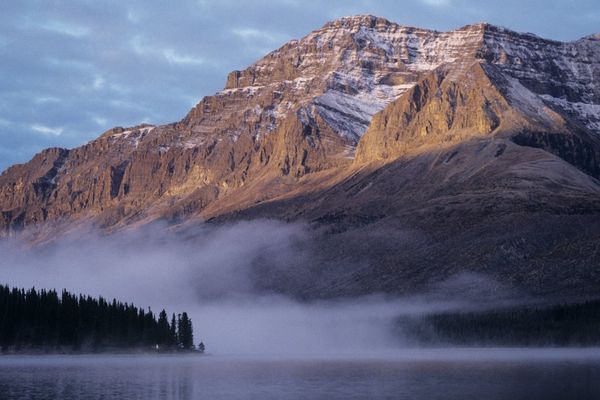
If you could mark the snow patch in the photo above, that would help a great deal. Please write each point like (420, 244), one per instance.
(123, 134)
(528, 102)
(348, 115)
(194, 142)
(249, 91)
(588, 114)
(162, 149)
(132, 136)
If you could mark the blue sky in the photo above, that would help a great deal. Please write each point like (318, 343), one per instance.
(70, 70)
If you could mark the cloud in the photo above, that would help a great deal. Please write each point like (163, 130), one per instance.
(437, 3)
(68, 63)
(256, 34)
(139, 48)
(65, 28)
(98, 82)
(47, 99)
(174, 57)
(46, 130)
(259, 42)
(100, 121)
(133, 16)
(170, 55)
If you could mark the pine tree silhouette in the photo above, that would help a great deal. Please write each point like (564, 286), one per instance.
(186, 332)
(44, 320)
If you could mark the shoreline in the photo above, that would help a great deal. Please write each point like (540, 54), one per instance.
(409, 354)
(107, 352)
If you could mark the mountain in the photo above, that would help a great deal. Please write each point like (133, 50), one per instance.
(413, 154)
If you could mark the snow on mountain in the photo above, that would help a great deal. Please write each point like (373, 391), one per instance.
(586, 114)
(353, 67)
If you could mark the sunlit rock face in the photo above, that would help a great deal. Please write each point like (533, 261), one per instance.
(360, 127)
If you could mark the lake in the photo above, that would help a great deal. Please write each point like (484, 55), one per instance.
(411, 374)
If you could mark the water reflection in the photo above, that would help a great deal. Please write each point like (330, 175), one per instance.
(152, 377)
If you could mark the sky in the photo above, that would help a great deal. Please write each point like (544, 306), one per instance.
(70, 70)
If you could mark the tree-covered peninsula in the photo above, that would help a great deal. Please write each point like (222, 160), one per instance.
(46, 321)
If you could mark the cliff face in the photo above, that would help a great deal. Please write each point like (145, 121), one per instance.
(357, 93)
(439, 109)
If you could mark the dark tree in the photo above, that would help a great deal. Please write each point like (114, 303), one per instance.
(174, 339)
(163, 330)
(43, 320)
(201, 347)
(575, 324)
(185, 332)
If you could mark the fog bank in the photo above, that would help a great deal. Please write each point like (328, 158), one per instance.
(208, 272)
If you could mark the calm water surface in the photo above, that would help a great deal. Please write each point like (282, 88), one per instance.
(424, 374)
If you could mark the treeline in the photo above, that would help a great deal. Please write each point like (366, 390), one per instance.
(560, 325)
(43, 320)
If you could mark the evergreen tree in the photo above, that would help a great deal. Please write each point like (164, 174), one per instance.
(174, 340)
(185, 332)
(164, 330)
(44, 320)
(558, 325)
(201, 347)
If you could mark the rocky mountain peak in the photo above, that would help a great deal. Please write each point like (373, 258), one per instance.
(354, 22)
(593, 37)
(358, 85)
